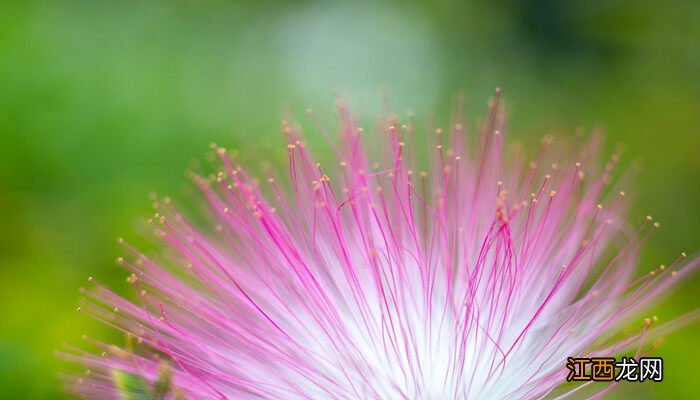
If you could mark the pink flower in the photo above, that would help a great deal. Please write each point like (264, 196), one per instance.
(373, 279)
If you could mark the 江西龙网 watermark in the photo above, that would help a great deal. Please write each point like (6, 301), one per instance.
(609, 369)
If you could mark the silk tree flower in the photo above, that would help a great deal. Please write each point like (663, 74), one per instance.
(475, 278)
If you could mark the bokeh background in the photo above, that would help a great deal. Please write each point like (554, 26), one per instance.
(104, 101)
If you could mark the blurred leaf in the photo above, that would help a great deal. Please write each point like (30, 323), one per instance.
(131, 387)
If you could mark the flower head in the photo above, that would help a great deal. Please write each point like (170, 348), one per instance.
(475, 277)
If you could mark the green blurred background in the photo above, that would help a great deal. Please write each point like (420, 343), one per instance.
(104, 101)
